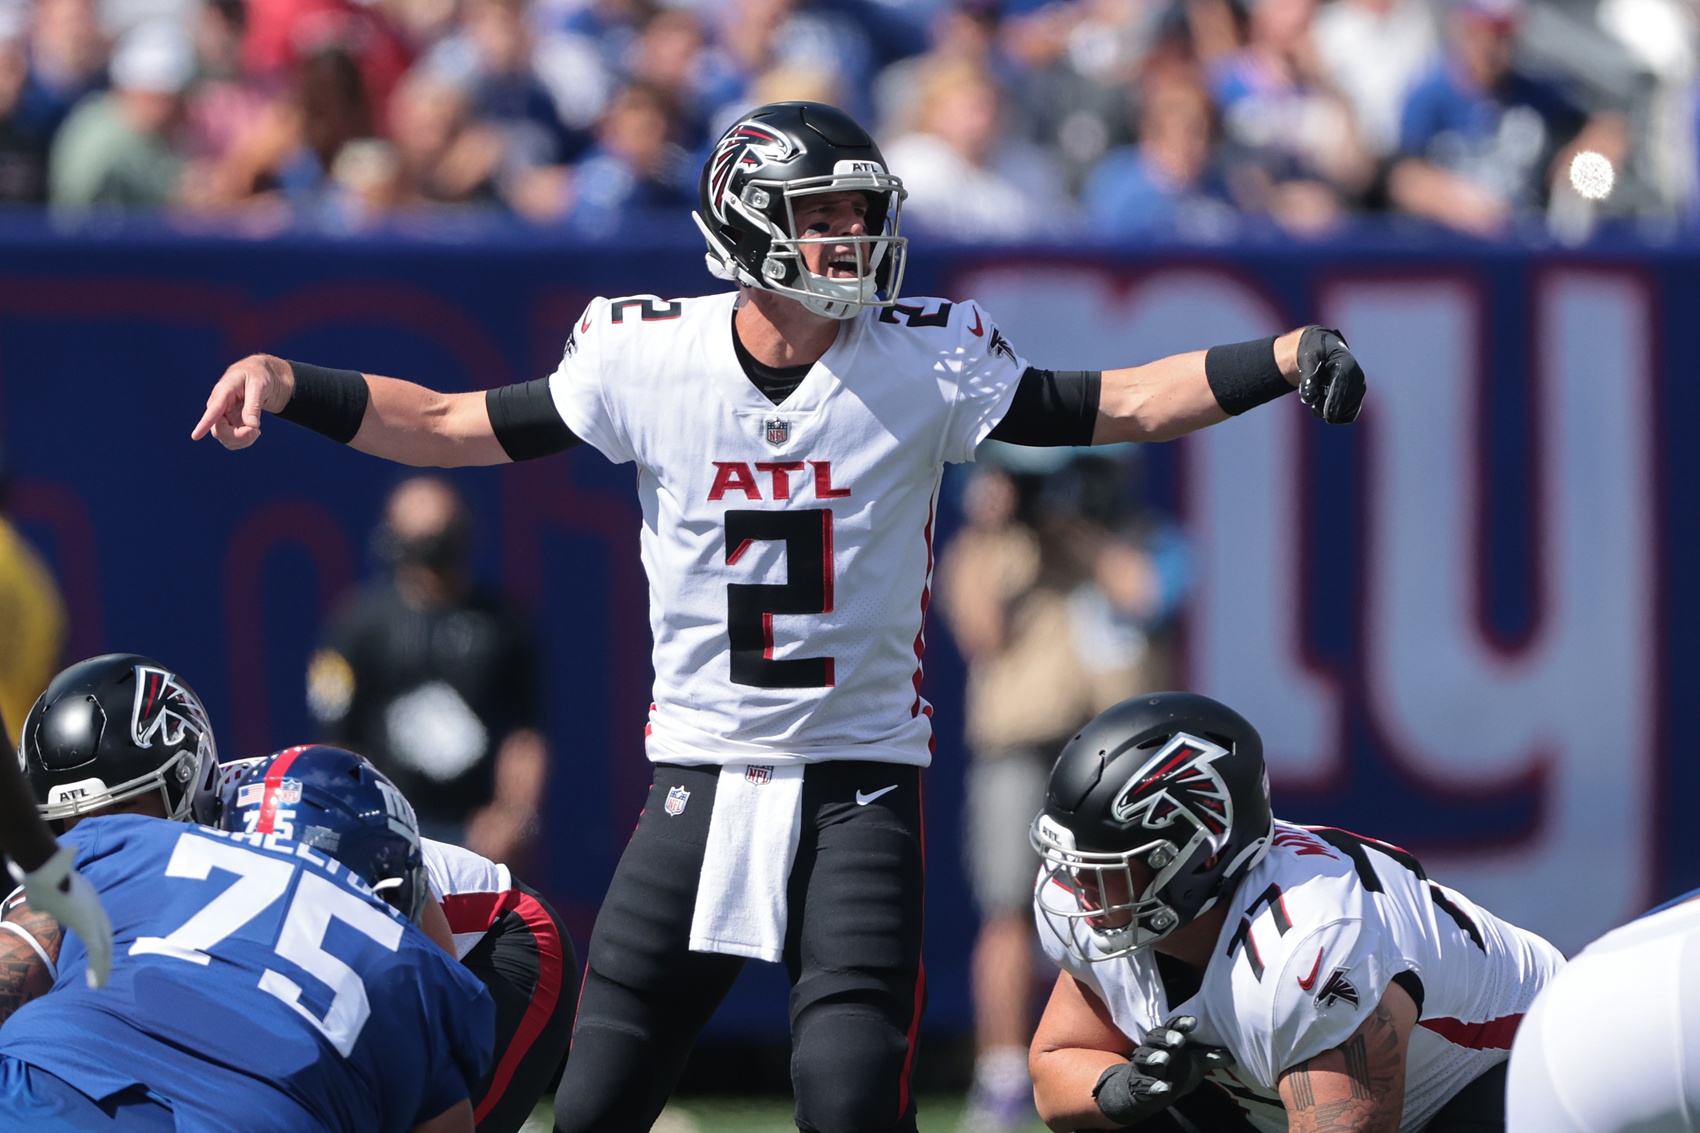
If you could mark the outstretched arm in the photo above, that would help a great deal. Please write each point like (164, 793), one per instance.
(399, 421)
(1173, 396)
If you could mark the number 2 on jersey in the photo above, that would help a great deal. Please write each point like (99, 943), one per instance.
(260, 881)
(750, 607)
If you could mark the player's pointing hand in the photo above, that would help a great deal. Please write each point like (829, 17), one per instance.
(1331, 382)
(257, 383)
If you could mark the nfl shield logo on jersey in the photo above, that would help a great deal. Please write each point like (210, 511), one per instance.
(778, 430)
(758, 774)
(677, 797)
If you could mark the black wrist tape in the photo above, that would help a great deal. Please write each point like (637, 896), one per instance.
(1243, 375)
(327, 401)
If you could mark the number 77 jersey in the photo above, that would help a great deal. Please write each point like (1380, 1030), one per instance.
(257, 986)
(788, 547)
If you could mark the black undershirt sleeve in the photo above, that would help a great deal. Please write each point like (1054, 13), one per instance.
(1052, 408)
(526, 422)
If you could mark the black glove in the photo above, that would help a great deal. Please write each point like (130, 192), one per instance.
(1164, 1068)
(1330, 380)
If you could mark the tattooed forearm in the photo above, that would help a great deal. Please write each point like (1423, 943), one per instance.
(24, 975)
(1358, 1087)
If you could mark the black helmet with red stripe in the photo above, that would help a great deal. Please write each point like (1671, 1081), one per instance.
(113, 728)
(1153, 813)
(759, 169)
(339, 804)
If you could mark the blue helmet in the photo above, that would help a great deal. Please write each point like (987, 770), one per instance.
(337, 803)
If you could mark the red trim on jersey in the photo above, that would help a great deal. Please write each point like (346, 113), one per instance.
(826, 561)
(732, 559)
(926, 598)
(1495, 1034)
(274, 780)
(550, 962)
(921, 962)
(767, 637)
(473, 912)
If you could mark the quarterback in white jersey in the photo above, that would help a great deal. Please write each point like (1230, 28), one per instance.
(1322, 976)
(789, 439)
(1613, 1046)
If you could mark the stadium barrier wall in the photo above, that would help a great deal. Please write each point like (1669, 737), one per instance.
(1460, 625)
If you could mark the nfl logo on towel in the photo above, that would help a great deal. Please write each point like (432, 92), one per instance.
(676, 799)
(778, 431)
(758, 774)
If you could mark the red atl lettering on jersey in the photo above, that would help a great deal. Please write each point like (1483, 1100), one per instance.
(823, 482)
(1303, 844)
(780, 472)
(738, 476)
(734, 476)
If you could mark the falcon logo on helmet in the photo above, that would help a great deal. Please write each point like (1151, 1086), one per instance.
(749, 145)
(1181, 784)
(164, 709)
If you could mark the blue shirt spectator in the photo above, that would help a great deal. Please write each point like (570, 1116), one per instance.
(1171, 180)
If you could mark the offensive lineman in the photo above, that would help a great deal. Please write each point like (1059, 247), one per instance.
(252, 976)
(1318, 980)
(789, 439)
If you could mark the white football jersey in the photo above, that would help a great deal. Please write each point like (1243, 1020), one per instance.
(1613, 1046)
(469, 887)
(789, 547)
(1314, 935)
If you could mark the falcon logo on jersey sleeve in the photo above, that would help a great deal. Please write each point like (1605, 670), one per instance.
(750, 144)
(1000, 345)
(1184, 786)
(1338, 989)
(164, 710)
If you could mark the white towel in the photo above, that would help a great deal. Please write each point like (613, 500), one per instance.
(752, 841)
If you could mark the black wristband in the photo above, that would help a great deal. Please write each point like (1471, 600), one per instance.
(1244, 375)
(327, 401)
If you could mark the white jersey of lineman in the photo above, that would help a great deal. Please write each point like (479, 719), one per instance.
(1314, 935)
(1613, 1046)
(469, 887)
(788, 547)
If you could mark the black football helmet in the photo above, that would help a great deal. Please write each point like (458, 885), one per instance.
(750, 185)
(1172, 781)
(115, 727)
(338, 803)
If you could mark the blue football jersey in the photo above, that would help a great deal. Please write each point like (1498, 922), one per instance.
(257, 985)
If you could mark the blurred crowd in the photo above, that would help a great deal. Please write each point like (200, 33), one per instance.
(1008, 119)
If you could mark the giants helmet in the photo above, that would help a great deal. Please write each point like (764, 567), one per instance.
(113, 728)
(750, 185)
(337, 803)
(1174, 782)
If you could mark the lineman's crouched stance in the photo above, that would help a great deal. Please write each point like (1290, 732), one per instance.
(1304, 973)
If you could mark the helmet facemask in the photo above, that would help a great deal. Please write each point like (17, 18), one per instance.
(1099, 896)
(769, 206)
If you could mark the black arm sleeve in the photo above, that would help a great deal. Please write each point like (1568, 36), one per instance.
(1052, 408)
(526, 422)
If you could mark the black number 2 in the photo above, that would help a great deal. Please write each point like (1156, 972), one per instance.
(750, 607)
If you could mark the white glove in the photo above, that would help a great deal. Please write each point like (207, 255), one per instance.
(60, 891)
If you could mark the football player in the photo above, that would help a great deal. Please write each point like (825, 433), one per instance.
(1609, 1047)
(500, 929)
(1314, 978)
(256, 984)
(43, 869)
(789, 438)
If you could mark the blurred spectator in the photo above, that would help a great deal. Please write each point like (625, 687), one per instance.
(669, 56)
(1172, 180)
(966, 177)
(445, 156)
(287, 153)
(67, 60)
(116, 148)
(1294, 152)
(283, 35)
(32, 620)
(634, 165)
(1482, 142)
(1055, 598)
(435, 681)
(23, 148)
(223, 101)
(1373, 52)
(753, 37)
(965, 31)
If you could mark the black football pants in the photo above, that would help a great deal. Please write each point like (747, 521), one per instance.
(852, 951)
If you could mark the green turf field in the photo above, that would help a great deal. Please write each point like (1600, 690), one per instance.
(939, 1114)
